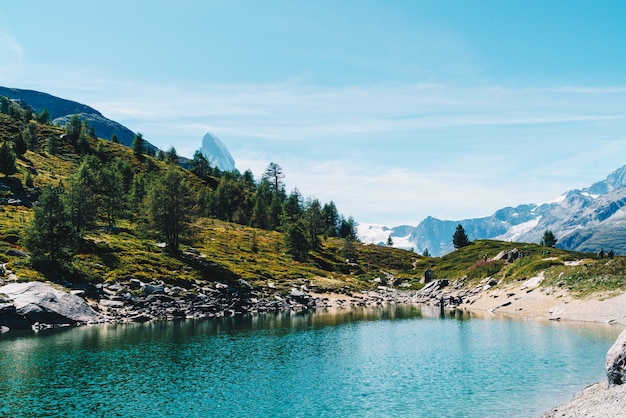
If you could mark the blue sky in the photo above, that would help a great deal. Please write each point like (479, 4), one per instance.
(395, 110)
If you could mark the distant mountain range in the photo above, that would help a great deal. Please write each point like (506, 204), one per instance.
(582, 220)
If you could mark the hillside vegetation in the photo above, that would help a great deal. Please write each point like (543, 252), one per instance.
(231, 237)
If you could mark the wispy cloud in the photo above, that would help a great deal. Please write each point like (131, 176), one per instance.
(11, 51)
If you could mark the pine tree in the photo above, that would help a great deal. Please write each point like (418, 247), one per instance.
(50, 236)
(43, 117)
(138, 145)
(199, 165)
(314, 223)
(168, 205)
(389, 241)
(7, 160)
(274, 174)
(112, 194)
(80, 199)
(548, 240)
(297, 242)
(171, 156)
(19, 144)
(73, 128)
(460, 239)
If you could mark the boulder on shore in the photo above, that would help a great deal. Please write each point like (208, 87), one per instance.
(616, 361)
(36, 302)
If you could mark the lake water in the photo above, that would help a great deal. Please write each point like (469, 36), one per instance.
(397, 361)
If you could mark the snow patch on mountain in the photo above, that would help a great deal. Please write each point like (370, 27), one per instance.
(516, 231)
(378, 234)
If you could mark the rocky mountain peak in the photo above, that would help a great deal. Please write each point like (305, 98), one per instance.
(217, 153)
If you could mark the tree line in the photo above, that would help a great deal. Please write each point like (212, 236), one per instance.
(160, 201)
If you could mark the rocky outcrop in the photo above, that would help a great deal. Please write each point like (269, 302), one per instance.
(24, 305)
(616, 361)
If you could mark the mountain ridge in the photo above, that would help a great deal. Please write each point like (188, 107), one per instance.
(62, 109)
(584, 220)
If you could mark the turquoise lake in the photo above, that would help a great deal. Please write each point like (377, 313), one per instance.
(369, 362)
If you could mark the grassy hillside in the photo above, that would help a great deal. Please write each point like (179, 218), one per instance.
(255, 258)
(217, 252)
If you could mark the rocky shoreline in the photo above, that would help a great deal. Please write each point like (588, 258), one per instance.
(39, 305)
(42, 305)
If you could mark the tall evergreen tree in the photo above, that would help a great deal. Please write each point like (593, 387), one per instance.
(19, 144)
(275, 175)
(50, 236)
(7, 160)
(73, 129)
(331, 219)
(138, 145)
(292, 208)
(348, 228)
(460, 239)
(171, 156)
(297, 242)
(169, 208)
(314, 223)
(548, 240)
(112, 194)
(199, 165)
(43, 117)
(80, 199)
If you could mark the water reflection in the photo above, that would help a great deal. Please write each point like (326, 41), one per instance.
(381, 360)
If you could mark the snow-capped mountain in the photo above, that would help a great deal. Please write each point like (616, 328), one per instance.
(217, 153)
(582, 220)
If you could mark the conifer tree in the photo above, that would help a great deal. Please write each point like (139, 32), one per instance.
(168, 206)
(199, 165)
(19, 144)
(112, 194)
(138, 145)
(314, 223)
(50, 236)
(7, 160)
(171, 156)
(43, 117)
(274, 174)
(73, 129)
(80, 199)
(548, 240)
(460, 239)
(389, 241)
(297, 242)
